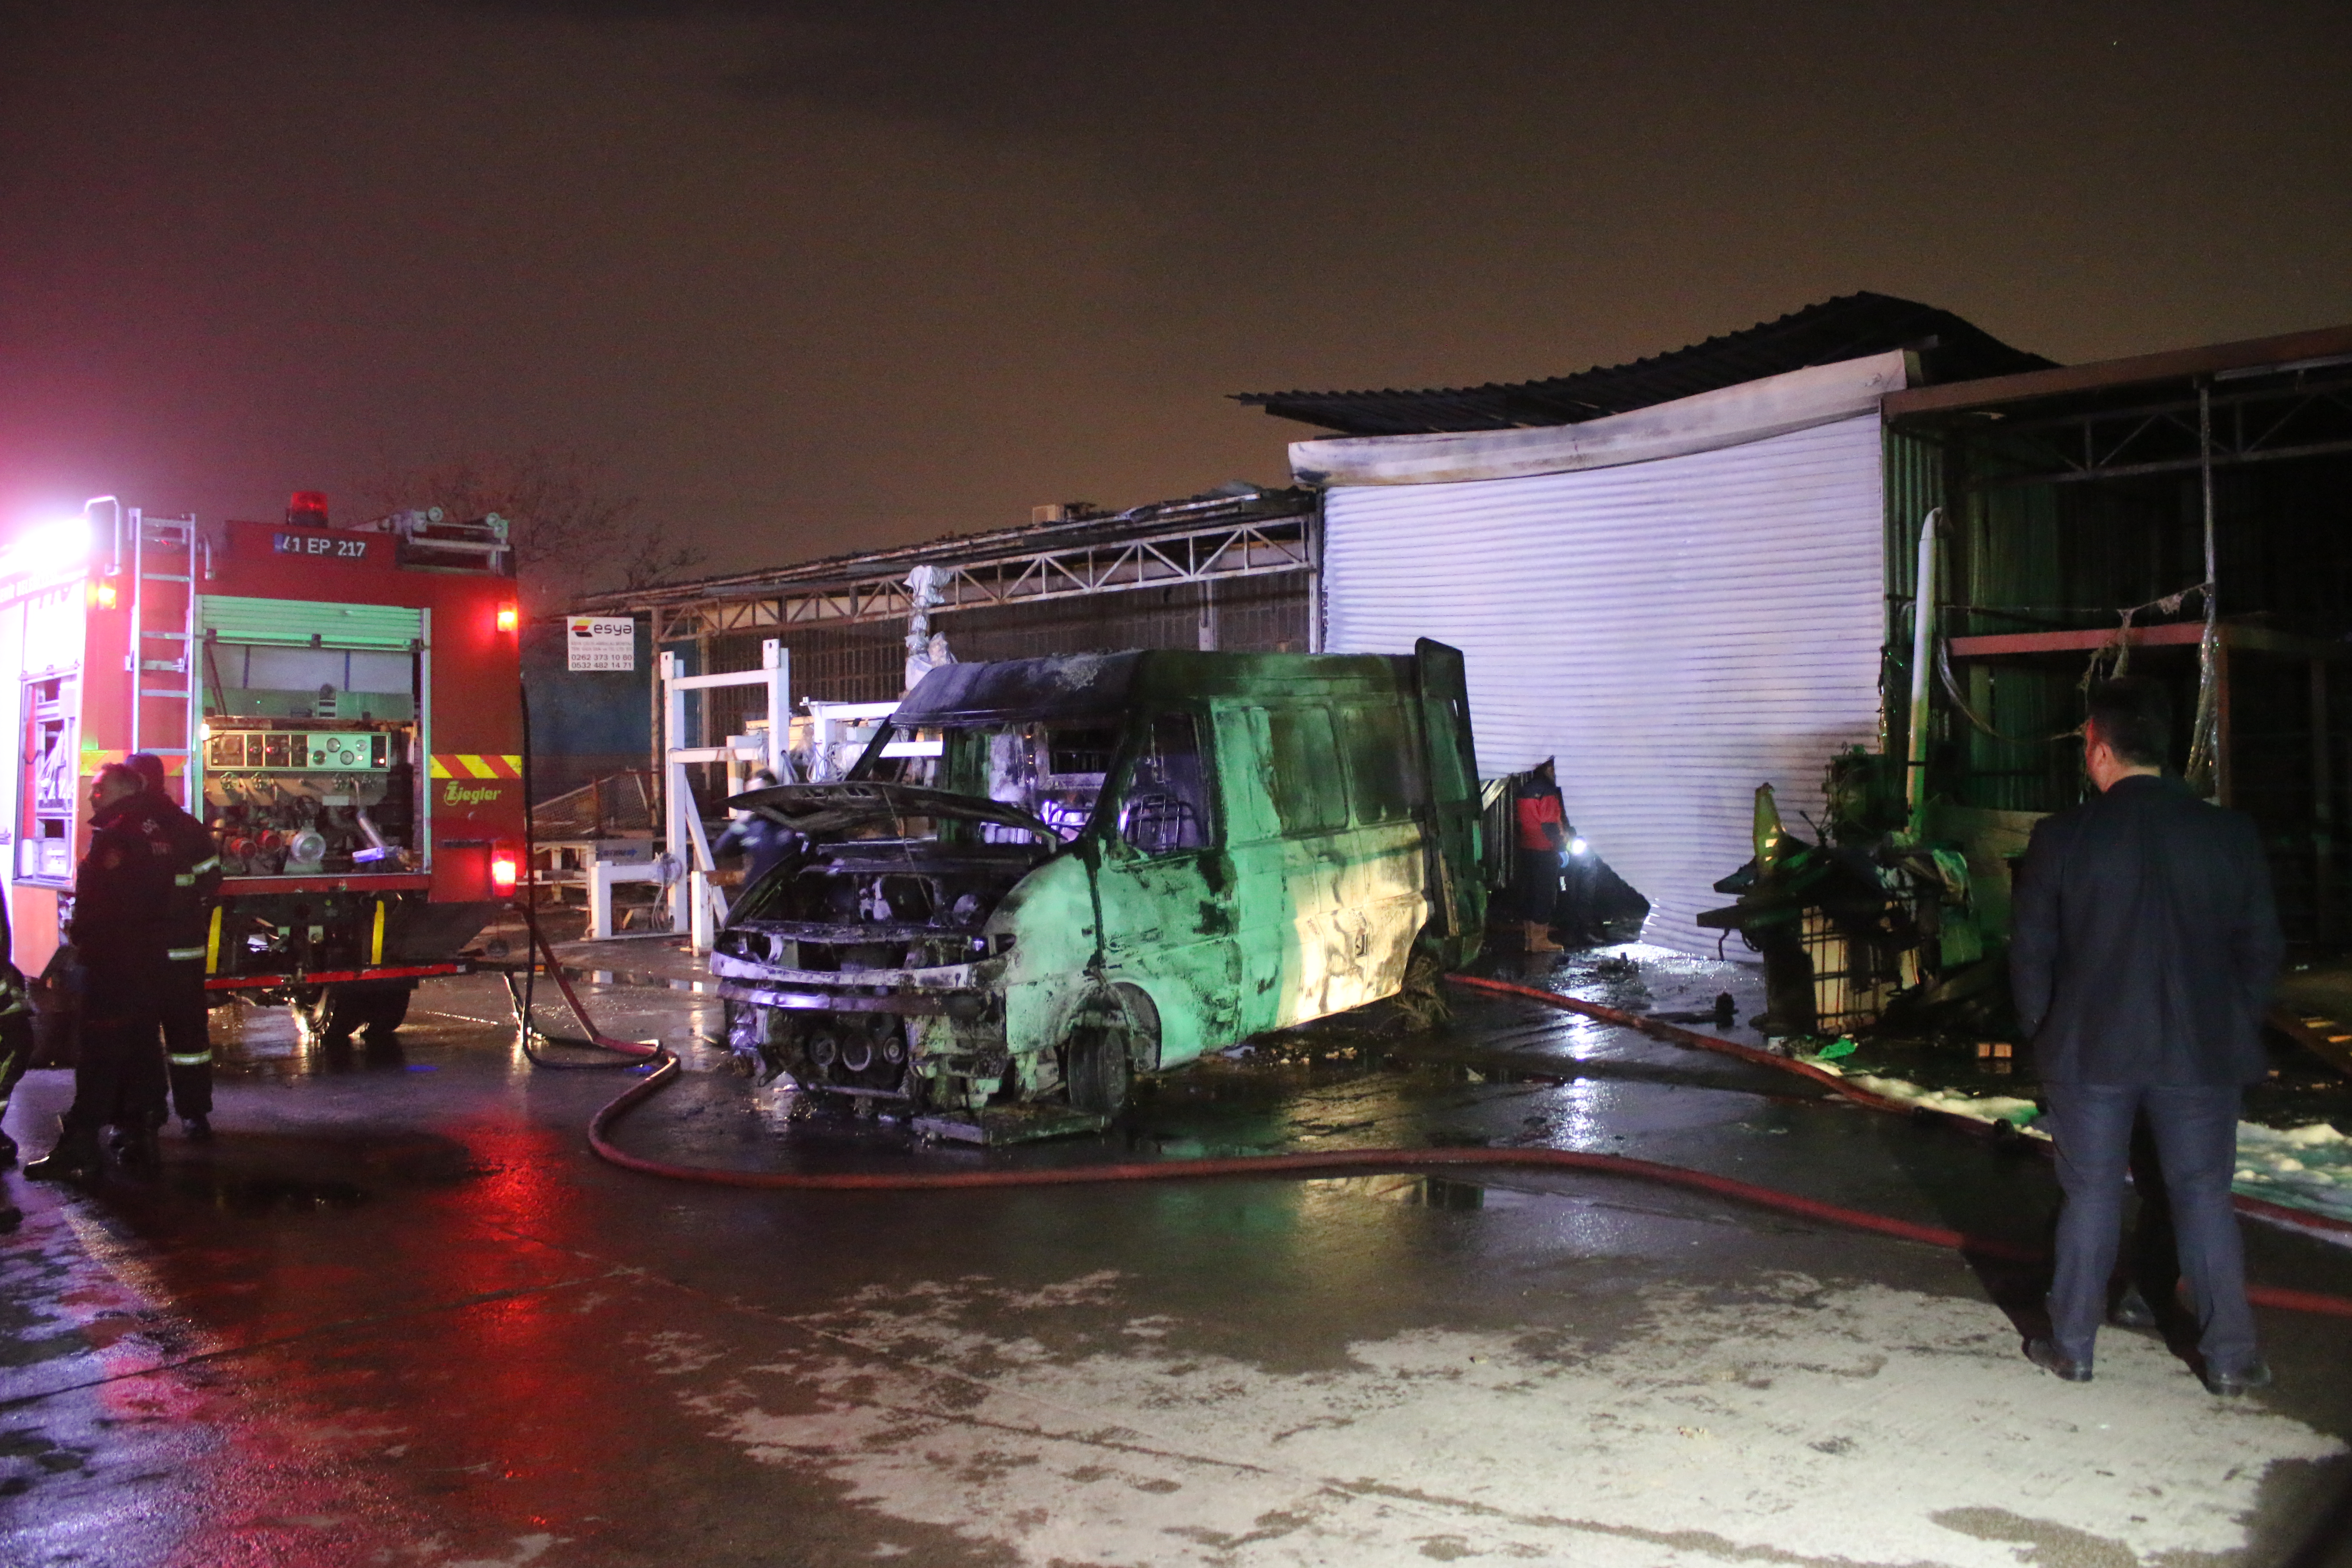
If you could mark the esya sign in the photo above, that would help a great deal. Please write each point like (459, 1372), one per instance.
(599, 642)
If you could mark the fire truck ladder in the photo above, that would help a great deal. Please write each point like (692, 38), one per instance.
(164, 597)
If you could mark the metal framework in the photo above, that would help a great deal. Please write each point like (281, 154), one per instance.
(1165, 557)
(2305, 418)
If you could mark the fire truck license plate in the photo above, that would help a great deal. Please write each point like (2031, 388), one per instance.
(323, 545)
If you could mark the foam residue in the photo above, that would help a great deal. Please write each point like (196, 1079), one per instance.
(1792, 1422)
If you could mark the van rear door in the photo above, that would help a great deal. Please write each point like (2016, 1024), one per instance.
(1458, 890)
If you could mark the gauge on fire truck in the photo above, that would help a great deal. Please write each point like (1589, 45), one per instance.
(297, 751)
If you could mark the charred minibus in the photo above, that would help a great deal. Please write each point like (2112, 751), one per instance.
(1047, 875)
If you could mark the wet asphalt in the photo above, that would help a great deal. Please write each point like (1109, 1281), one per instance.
(399, 1314)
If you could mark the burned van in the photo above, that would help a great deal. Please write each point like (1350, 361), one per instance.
(1045, 875)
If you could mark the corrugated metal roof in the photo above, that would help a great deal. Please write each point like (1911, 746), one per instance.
(1845, 328)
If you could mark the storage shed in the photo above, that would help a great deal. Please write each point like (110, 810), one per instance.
(1670, 575)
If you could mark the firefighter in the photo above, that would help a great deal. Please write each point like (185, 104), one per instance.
(196, 879)
(1542, 846)
(16, 1033)
(123, 890)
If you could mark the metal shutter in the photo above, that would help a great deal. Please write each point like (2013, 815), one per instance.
(1675, 632)
(306, 623)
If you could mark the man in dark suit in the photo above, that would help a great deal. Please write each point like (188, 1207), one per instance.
(2144, 951)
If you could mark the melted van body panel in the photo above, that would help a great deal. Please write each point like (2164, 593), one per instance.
(1153, 855)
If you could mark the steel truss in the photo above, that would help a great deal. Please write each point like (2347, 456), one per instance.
(2303, 419)
(1197, 555)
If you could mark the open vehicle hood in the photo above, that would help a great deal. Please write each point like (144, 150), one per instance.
(832, 807)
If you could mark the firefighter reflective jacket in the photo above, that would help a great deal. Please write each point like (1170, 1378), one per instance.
(123, 887)
(195, 877)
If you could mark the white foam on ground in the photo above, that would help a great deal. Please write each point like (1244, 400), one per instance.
(1800, 1424)
(2305, 1167)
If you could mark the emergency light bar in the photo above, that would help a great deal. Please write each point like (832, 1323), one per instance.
(49, 550)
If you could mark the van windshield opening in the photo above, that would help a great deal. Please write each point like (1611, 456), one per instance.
(1055, 772)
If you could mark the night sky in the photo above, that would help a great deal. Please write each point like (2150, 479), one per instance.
(813, 278)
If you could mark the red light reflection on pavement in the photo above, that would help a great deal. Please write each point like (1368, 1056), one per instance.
(343, 1387)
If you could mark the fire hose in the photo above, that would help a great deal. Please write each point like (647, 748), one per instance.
(666, 1071)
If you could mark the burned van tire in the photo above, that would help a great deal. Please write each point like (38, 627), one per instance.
(1097, 1068)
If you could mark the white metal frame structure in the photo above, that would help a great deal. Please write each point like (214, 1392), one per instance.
(1109, 555)
(689, 845)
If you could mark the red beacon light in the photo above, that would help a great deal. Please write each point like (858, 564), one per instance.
(504, 871)
(509, 617)
(307, 509)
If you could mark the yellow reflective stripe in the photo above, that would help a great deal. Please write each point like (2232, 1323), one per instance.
(375, 943)
(185, 880)
(479, 767)
(200, 1059)
(212, 943)
(201, 867)
(184, 953)
(436, 768)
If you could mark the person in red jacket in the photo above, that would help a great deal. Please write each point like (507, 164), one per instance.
(1542, 849)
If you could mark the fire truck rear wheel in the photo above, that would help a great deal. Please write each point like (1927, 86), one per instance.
(335, 1013)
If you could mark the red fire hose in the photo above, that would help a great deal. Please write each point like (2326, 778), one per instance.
(666, 1071)
(2279, 1213)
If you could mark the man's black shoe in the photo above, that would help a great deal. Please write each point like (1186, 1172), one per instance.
(137, 1150)
(2255, 1374)
(2044, 1354)
(199, 1129)
(2131, 1310)
(68, 1162)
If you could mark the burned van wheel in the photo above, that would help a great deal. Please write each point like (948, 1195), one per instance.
(1098, 1071)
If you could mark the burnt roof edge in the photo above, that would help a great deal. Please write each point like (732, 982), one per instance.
(2171, 365)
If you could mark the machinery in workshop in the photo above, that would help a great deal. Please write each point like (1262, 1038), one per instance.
(340, 705)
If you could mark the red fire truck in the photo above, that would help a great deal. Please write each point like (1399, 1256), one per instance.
(340, 705)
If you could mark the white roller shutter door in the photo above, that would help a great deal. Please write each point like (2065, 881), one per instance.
(1675, 632)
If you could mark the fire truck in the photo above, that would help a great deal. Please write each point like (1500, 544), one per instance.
(341, 705)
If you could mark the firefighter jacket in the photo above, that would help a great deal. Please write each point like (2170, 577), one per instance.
(1543, 822)
(123, 887)
(195, 877)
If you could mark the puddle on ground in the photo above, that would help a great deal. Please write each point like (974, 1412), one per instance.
(251, 1193)
(1413, 1191)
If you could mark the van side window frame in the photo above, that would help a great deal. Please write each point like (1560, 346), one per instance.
(1289, 771)
(1144, 742)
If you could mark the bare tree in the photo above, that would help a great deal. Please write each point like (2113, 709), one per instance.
(571, 531)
